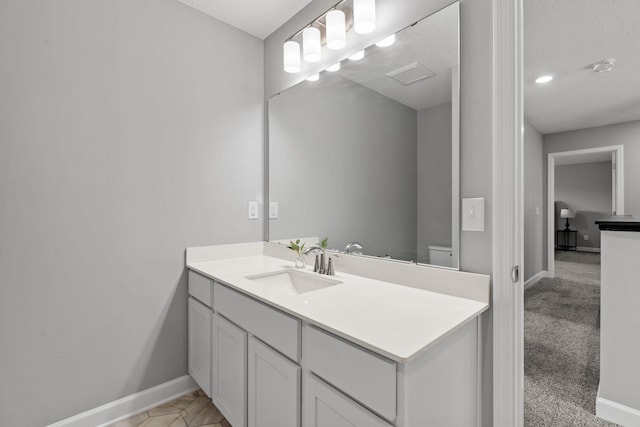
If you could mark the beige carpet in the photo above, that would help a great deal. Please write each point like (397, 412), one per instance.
(562, 344)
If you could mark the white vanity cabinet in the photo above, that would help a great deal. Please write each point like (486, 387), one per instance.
(274, 388)
(269, 368)
(229, 371)
(200, 318)
(324, 406)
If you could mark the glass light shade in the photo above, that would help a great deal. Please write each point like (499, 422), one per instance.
(333, 68)
(311, 46)
(357, 56)
(336, 30)
(314, 77)
(364, 16)
(291, 56)
(387, 41)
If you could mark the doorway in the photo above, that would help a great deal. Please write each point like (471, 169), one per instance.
(612, 153)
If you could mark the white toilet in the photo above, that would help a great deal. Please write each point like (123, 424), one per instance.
(440, 255)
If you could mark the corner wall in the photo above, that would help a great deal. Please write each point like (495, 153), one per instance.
(534, 196)
(129, 130)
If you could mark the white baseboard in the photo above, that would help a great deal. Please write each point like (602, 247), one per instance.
(587, 249)
(617, 413)
(540, 275)
(131, 405)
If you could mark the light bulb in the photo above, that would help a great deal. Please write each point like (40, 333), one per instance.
(314, 77)
(311, 45)
(336, 30)
(387, 41)
(364, 16)
(291, 51)
(333, 68)
(357, 56)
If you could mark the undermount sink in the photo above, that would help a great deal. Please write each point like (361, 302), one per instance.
(293, 282)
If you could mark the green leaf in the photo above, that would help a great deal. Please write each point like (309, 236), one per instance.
(324, 242)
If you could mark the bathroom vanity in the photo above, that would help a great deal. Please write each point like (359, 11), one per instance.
(275, 346)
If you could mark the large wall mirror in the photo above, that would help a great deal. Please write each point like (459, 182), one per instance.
(370, 153)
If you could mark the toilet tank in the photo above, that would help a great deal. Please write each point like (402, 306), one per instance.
(440, 255)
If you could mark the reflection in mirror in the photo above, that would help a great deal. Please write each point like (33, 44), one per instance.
(369, 153)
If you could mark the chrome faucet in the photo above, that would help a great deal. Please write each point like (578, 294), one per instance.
(319, 266)
(349, 249)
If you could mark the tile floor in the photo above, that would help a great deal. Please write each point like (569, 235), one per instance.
(191, 410)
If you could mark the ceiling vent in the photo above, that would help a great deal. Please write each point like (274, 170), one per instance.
(603, 66)
(411, 73)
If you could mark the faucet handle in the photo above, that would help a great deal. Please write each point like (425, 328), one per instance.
(316, 267)
(330, 271)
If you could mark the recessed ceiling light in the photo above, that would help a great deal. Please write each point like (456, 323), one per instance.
(314, 77)
(544, 79)
(387, 41)
(357, 56)
(333, 68)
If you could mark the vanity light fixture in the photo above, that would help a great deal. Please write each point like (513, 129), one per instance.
(364, 16)
(314, 77)
(387, 41)
(333, 68)
(544, 79)
(291, 56)
(357, 56)
(336, 29)
(330, 29)
(311, 45)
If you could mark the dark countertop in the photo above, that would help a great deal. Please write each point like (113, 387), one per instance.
(619, 223)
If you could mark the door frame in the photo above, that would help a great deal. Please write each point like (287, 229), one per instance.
(508, 221)
(618, 160)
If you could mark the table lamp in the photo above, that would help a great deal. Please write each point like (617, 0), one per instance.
(567, 213)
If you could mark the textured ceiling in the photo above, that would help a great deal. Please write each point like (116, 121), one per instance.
(563, 37)
(259, 18)
(432, 42)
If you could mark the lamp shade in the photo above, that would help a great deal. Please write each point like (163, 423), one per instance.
(567, 213)
(364, 16)
(336, 30)
(311, 45)
(291, 51)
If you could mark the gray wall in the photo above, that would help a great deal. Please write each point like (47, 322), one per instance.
(129, 130)
(434, 179)
(476, 121)
(585, 189)
(625, 134)
(534, 195)
(342, 166)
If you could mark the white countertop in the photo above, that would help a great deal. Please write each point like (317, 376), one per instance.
(397, 321)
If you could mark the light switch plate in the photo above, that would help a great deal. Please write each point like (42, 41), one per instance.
(473, 214)
(253, 210)
(273, 210)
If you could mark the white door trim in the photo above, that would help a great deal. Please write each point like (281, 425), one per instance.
(618, 152)
(507, 303)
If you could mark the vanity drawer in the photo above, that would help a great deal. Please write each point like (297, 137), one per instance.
(272, 326)
(361, 374)
(200, 287)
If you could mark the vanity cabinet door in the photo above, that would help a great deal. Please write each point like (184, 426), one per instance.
(325, 406)
(229, 371)
(200, 344)
(274, 388)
